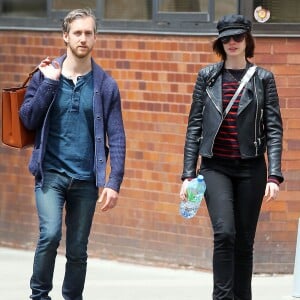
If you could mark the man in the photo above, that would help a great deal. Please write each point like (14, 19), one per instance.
(75, 109)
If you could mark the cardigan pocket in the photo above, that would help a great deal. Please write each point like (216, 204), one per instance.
(34, 162)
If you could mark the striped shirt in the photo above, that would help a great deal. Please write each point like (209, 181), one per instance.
(226, 144)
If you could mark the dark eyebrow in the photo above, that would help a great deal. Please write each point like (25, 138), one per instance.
(85, 31)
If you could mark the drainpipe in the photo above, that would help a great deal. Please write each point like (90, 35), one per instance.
(296, 290)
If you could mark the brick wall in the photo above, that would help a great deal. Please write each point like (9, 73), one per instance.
(156, 75)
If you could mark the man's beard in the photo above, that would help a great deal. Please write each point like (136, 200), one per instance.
(79, 54)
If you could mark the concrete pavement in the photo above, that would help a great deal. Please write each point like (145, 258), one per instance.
(112, 280)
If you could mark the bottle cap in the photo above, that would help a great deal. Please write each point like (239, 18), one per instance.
(200, 177)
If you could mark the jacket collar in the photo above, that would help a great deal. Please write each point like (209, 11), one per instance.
(215, 73)
(217, 70)
(214, 88)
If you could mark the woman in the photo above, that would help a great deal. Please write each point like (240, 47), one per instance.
(232, 153)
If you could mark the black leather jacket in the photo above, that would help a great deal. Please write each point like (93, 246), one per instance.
(259, 121)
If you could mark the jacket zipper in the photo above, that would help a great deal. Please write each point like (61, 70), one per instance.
(213, 101)
(256, 140)
(212, 145)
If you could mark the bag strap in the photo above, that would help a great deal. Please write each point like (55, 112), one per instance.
(30, 76)
(244, 80)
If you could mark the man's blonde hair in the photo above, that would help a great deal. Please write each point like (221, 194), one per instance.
(77, 14)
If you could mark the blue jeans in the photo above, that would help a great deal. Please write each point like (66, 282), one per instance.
(234, 194)
(79, 198)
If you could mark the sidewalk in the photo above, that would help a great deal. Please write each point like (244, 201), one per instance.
(111, 280)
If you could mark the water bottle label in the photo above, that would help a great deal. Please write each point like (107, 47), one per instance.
(191, 197)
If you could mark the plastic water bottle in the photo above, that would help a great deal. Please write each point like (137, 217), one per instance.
(195, 192)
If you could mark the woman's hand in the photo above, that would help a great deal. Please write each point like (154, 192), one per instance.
(184, 185)
(271, 192)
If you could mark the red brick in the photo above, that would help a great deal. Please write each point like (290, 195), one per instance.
(156, 76)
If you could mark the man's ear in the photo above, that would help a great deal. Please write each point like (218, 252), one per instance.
(66, 37)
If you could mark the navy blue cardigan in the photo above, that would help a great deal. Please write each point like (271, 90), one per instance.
(108, 124)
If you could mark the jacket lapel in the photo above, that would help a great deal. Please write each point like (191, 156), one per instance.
(214, 91)
(247, 96)
(215, 94)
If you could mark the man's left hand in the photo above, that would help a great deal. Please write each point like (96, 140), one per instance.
(109, 197)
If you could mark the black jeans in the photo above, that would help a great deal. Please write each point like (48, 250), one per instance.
(234, 194)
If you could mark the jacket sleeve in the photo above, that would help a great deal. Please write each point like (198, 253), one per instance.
(194, 129)
(273, 127)
(116, 139)
(39, 95)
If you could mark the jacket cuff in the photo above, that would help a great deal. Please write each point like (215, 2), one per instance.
(274, 179)
(188, 178)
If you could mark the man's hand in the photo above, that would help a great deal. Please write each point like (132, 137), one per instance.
(109, 197)
(271, 192)
(50, 69)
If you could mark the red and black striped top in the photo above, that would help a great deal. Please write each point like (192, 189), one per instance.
(226, 143)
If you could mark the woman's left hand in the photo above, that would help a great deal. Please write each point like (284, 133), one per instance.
(271, 192)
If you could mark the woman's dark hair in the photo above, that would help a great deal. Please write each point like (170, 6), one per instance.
(249, 52)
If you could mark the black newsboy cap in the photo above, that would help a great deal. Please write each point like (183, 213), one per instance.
(232, 25)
